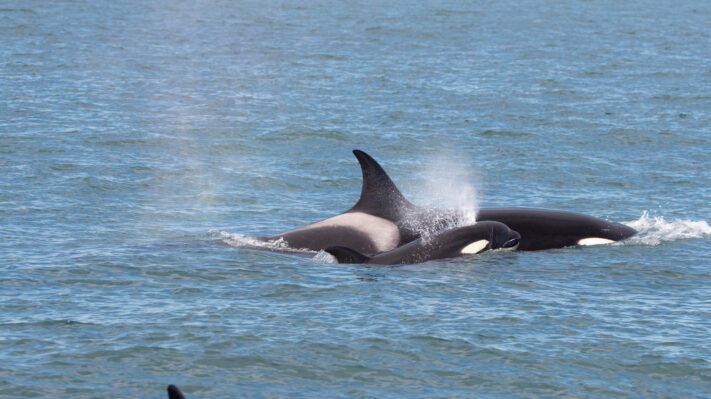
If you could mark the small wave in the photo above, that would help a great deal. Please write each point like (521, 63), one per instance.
(653, 230)
(245, 241)
(289, 135)
(47, 323)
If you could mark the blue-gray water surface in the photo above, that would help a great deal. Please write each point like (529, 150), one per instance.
(143, 142)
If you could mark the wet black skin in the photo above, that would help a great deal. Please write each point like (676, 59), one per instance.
(546, 229)
(446, 244)
(174, 393)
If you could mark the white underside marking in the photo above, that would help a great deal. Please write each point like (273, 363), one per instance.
(475, 247)
(383, 233)
(594, 241)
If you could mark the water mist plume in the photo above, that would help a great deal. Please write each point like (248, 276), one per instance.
(446, 184)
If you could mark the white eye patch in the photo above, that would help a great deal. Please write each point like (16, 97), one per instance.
(594, 241)
(475, 247)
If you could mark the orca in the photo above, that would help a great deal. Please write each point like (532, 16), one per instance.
(548, 229)
(376, 223)
(459, 241)
(383, 219)
(174, 392)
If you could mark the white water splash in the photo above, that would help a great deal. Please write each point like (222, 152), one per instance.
(653, 230)
(241, 240)
(324, 257)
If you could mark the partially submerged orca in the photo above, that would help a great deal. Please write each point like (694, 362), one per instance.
(459, 241)
(174, 392)
(378, 222)
(547, 229)
(383, 219)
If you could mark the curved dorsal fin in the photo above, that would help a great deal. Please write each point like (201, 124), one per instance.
(174, 392)
(379, 195)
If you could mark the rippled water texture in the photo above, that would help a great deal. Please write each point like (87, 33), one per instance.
(141, 144)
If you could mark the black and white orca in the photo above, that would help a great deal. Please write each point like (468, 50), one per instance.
(378, 222)
(452, 243)
(383, 219)
(548, 229)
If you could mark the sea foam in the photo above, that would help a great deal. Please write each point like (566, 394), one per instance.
(654, 230)
(241, 240)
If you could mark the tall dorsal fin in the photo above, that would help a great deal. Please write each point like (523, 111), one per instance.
(347, 255)
(379, 195)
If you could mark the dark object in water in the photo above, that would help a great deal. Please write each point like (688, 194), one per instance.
(174, 392)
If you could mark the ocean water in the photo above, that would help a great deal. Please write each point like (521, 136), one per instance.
(143, 142)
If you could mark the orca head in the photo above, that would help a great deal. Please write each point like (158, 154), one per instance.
(502, 237)
(483, 236)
